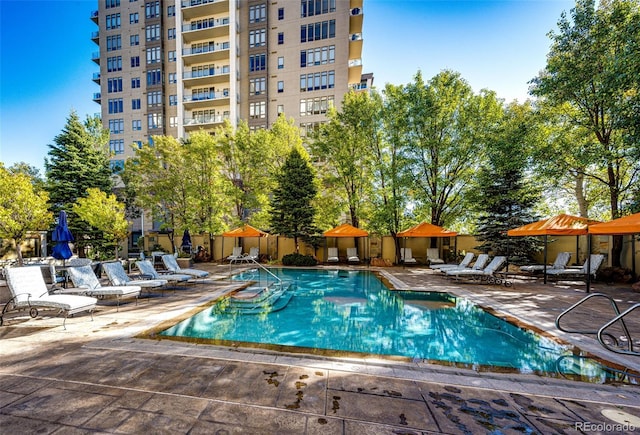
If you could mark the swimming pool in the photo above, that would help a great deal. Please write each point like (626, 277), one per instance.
(345, 312)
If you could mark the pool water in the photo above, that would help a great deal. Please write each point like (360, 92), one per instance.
(344, 312)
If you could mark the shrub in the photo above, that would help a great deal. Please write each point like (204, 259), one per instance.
(298, 260)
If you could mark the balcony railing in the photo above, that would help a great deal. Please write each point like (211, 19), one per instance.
(206, 72)
(97, 96)
(205, 97)
(205, 49)
(94, 15)
(355, 62)
(206, 119)
(189, 3)
(355, 37)
(96, 77)
(205, 24)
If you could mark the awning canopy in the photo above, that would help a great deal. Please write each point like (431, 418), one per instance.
(346, 230)
(245, 231)
(561, 225)
(425, 229)
(624, 225)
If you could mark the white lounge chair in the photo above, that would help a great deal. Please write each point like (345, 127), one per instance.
(117, 276)
(560, 263)
(236, 255)
(29, 292)
(352, 255)
(172, 266)
(254, 254)
(433, 256)
(86, 282)
(146, 268)
(596, 262)
(406, 256)
(332, 255)
(479, 264)
(491, 268)
(466, 261)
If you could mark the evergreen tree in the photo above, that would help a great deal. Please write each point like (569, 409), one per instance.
(505, 199)
(78, 160)
(292, 211)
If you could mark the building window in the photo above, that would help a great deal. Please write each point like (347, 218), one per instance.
(154, 77)
(258, 62)
(153, 55)
(171, 11)
(280, 38)
(134, 18)
(135, 104)
(172, 56)
(318, 31)
(116, 126)
(114, 42)
(318, 56)
(173, 100)
(257, 13)
(152, 32)
(135, 82)
(152, 9)
(281, 13)
(116, 146)
(173, 121)
(281, 62)
(309, 8)
(134, 40)
(112, 21)
(154, 99)
(135, 61)
(116, 166)
(111, 3)
(171, 33)
(257, 38)
(154, 120)
(136, 124)
(138, 143)
(317, 81)
(280, 108)
(315, 106)
(173, 77)
(115, 105)
(257, 86)
(114, 84)
(258, 110)
(280, 86)
(114, 63)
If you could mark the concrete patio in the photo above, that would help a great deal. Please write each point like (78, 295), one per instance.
(95, 376)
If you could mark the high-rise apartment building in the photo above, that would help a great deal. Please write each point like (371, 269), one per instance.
(171, 67)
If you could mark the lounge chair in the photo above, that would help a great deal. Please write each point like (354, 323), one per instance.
(254, 254)
(29, 292)
(117, 276)
(560, 263)
(352, 255)
(406, 256)
(236, 255)
(86, 282)
(332, 255)
(483, 274)
(596, 262)
(146, 268)
(466, 261)
(433, 256)
(479, 264)
(172, 266)
(479, 267)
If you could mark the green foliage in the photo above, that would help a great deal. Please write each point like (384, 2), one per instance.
(292, 211)
(297, 259)
(103, 212)
(78, 160)
(22, 208)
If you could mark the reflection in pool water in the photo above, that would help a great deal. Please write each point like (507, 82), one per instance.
(333, 312)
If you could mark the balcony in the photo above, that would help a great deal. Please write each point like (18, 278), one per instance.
(209, 76)
(96, 78)
(211, 99)
(200, 8)
(204, 121)
(94, 16)
(355, 71)
(355, 20)
(95, 56)
(95, 37)
(355, 4)
(205, 29)
(97, 97)
(355, 46)
(207, 53)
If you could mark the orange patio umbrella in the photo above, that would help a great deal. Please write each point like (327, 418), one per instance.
(425, 229)
(560, 225)
(621, 226)
(245, 230)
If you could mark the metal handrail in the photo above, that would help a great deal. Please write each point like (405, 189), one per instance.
(600, 332)
(252, 260)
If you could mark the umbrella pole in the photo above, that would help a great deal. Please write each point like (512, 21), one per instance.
(544, 263)
(633, 254)
(588, 263)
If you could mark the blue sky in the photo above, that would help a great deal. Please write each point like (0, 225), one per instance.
(498, 45)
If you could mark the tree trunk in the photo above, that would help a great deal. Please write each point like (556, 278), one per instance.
(616, 248)
(583, 205)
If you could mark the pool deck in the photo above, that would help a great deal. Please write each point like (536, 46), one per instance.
(95, 376)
